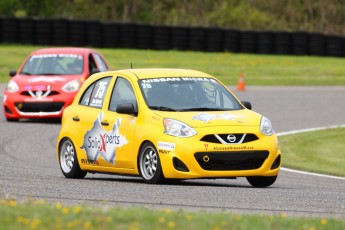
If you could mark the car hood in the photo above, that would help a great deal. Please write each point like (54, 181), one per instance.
(215, 118)
(57, 81)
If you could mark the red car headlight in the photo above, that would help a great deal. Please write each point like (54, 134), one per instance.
(12, 86)
(72, 86)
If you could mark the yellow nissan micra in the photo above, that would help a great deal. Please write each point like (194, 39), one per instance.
(165, 124)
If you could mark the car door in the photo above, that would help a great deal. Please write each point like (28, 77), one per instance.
(122, 127)
(87, 122)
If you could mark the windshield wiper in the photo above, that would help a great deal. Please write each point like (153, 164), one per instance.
(162, 108)
(203, 109)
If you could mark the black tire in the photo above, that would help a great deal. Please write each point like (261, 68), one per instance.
(261, 181)
(68, 160)
(149, 165)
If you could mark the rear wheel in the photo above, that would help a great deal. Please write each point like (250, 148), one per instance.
(68, 160)
(149, 164)
(261, 181)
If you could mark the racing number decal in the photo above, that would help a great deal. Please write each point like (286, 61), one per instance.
(101, 90)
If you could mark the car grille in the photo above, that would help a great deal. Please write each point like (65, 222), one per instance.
(236, 138)
(27, 93)
(36, 107)
(238, 160)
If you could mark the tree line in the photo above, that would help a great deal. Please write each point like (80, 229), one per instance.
(322, 16)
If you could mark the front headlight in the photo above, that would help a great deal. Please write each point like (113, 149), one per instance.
(12, 86)
(266, 126)
(177, 128)
(72, 86)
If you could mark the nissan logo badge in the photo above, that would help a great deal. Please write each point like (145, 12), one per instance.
(231, 138)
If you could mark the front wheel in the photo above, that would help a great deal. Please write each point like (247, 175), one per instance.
(261, 181)
(149, 164)
(68, 160)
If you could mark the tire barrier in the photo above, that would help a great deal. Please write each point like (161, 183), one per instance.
(179, 38)
(110, 37)
(161, 38)
(282, 43)
(60, 32)
(43, 34)
(77, 33)
(66, 32)
(144, 37)
(265, 42)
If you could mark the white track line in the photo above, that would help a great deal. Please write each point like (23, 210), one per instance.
(312, 174)
(311, 130)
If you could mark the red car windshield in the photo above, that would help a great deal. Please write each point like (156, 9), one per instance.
(54, 64)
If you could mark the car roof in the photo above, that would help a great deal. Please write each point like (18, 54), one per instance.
(76, 50)
(162, 73)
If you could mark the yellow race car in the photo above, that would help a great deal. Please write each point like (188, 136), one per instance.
(165, 124)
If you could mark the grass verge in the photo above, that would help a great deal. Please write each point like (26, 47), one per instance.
(317, 151)
(257, 69)
(39, 215)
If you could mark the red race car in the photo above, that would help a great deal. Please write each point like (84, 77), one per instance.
(48, 81)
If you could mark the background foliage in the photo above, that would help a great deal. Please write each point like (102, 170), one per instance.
(325, 16)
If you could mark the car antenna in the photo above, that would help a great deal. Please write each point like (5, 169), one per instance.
(131, 65)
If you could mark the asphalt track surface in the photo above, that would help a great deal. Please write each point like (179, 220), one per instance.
(29, 166)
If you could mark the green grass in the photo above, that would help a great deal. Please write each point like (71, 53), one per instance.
(39, 215)
(257, 69)
(318, 151)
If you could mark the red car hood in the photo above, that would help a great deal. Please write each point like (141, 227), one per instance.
(41, 82)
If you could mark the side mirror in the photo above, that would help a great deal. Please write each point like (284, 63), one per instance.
(247, 104)
(13, 73)
(127, 108)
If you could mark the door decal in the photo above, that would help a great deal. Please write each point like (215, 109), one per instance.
(99, 142)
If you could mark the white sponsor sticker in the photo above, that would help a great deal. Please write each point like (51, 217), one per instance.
(206, 117)
(99, 142)
(166, 145)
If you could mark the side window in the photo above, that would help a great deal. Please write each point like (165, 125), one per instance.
(85, 99)
(94, 95)
(92, 63)
(122, 93)
(102, 66)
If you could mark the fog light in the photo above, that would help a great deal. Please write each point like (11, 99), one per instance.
(179, 165)
(276, 162)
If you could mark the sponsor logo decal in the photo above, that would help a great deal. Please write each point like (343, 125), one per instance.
(166, 146)
(89, 162)
(164, 151)
(40, 94)
(227, 148)
(46, 79)
(147, 83)
(99, 142)
(206, 146)
(206, 117)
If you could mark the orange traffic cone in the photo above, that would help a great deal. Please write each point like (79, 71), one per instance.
(241, 85)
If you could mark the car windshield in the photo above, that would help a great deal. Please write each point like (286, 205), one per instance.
(53, 64)
(187, 94)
